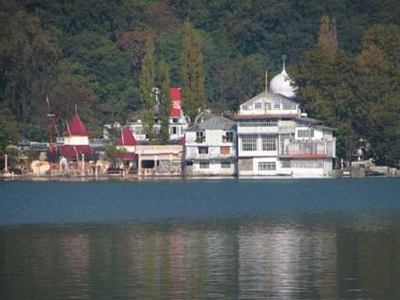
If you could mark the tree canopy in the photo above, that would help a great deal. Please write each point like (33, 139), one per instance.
(343, 55)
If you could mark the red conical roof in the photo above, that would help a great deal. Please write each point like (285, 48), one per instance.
(127, 138)
(76, 127)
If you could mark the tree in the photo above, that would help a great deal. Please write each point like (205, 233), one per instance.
(115, 156)
(164, 83)
(192, 73)
(8, 128)
(327, 38)
(378, 92)
(146, 85)
(28, 55)
(326, 77)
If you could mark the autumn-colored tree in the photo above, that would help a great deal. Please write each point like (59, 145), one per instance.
(378, 91)
(164, 83)
(327, 38)
(133, 43)
(325, 77)
(192, 73)
(146, 85)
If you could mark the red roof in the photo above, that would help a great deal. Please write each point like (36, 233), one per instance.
(72, 151)
(76, 127)
(175, 102)
(175, 94)
(127, 138)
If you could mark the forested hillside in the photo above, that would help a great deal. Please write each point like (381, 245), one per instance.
(343, 54)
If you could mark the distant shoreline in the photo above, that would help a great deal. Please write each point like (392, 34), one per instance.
(135, 178)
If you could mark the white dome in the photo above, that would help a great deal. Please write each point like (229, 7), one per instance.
(282, 84)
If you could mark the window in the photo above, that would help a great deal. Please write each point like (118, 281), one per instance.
(228, 137)
(305, 133)
(225, 150)
(266, 166)
(258, 105)
(148, 164)
(249, 143)
(189, 162)
(245, 107)
(173, 130)
(269, 142)
(288, 105)
(200, 138)
(286, 164)
(203, 150)
(277, 105)
(268, 123)
(175, 120)
(204, 165)
(225, 165)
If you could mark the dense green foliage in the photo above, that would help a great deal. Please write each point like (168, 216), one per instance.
(90, 54)
(146, 86)
(358, 94)
(192, 76)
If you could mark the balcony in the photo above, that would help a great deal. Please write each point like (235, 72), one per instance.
(307, 149)
(211, 153)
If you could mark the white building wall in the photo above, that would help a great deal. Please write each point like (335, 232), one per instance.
(213, 159)
(76, 140)
(214, 169)
(259, 152)
(274, 106)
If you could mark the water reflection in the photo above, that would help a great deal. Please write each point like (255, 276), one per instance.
(277, 257)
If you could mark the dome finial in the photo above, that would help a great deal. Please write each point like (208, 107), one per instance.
(283, 62)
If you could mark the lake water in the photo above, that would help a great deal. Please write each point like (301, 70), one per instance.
(200, 239)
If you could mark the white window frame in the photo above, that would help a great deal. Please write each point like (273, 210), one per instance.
(267, 166)
(249, 142)
(269, 142)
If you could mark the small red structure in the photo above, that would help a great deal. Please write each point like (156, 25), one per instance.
(76, 139)
(176, 102)
(127, 142)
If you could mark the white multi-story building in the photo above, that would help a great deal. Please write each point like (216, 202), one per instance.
(276, 139)
(210, 148)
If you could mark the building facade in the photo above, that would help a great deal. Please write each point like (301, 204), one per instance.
(276, 139)
(177, 121)
(210, 148)
(159, 160)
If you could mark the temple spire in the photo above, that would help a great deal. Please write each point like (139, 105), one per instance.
(283, 62)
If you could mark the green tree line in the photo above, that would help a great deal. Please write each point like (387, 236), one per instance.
(92, 54)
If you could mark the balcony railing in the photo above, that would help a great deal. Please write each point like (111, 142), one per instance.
(307, 149)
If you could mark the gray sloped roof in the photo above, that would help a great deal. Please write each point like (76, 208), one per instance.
(271, 97)
(214, 122)
(314, 122)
